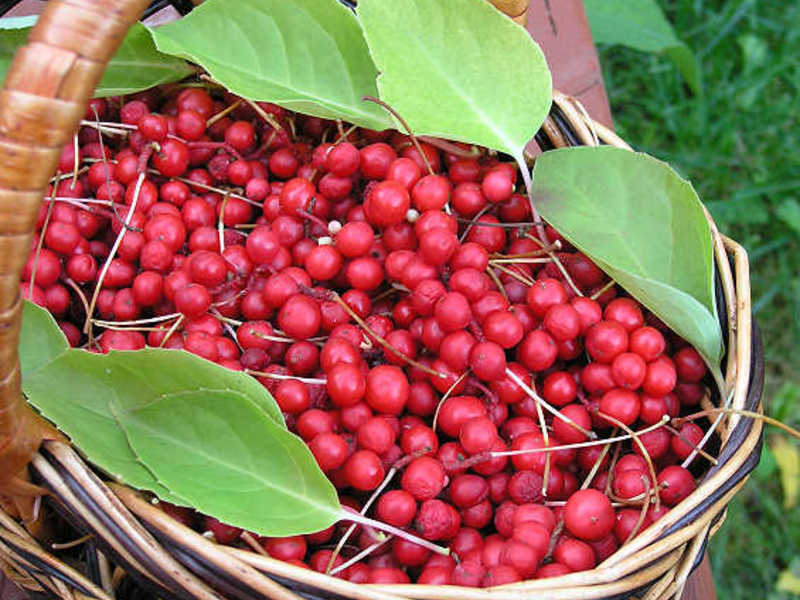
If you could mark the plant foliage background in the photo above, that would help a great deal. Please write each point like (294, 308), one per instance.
(737, 141)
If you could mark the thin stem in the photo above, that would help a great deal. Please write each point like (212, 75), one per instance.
(171, 330)
(73, 543)
(638, 442)
(602, 290)
(558, 263)
(515, 275)
(446, 396)
(389, 476)
(138, 321)
(450, 148)
(362, 520)
(306, 380)
(596, 466)
(270, 120)
(402, 121)
(515, 261)
(688, 442)
(364, 553)
(642, 513)
(600, 442)
(39, 245)
(497, 282)
(79, 292)
(87, 326)
(685, 464)
(223, 113)
(744, 413)
(253, 543)
(513, 376)
(336, 298)
(546, 438)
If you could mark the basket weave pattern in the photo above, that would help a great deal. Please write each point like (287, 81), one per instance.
(44, 97)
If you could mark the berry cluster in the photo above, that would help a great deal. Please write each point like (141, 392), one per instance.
(456, 368)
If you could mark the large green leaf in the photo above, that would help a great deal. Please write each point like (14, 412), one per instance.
(641, 25)
(458, 69)
(642, 224)
(220, 452)
(40, 340)
(306, 55)
(136, 66)
(74, 391)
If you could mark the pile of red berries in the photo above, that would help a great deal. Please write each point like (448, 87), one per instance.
(404, 311)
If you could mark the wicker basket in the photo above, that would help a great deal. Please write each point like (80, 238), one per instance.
(45, 93)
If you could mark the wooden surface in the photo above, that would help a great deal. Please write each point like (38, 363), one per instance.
(560, 28)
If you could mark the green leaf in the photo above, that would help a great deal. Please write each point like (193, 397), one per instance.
(73, 391)
(789, 212)
(41, 339)
(220, 452)
(458, 69)
(641, 25)
(13, 33)
(788, 458)
(306, 55)
(644, 226)
(136, 66)
(788, 582)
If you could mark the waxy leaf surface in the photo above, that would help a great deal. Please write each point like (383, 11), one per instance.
(458, 69)
(643, 225)
(305, 55)
(41, 339)
(77, 389)
(220, 452)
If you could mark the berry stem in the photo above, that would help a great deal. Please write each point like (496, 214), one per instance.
(513, 376)
(362, 520)
(638, 442)
(171, 330)
(602, 290)
(446, 146)
(338, 299)
(642, 513)
(601, 442)
(223, 113)
(306, 380)
(402, 121)
(41, 243)
(446, 396)
(87, 326)
(701, 452)
(735, 411)
(389, 476)
(363, 554)
(558, 263)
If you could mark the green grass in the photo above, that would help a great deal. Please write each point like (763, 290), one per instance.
(738, 144)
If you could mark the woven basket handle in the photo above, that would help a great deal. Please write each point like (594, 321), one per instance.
(45, 94)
